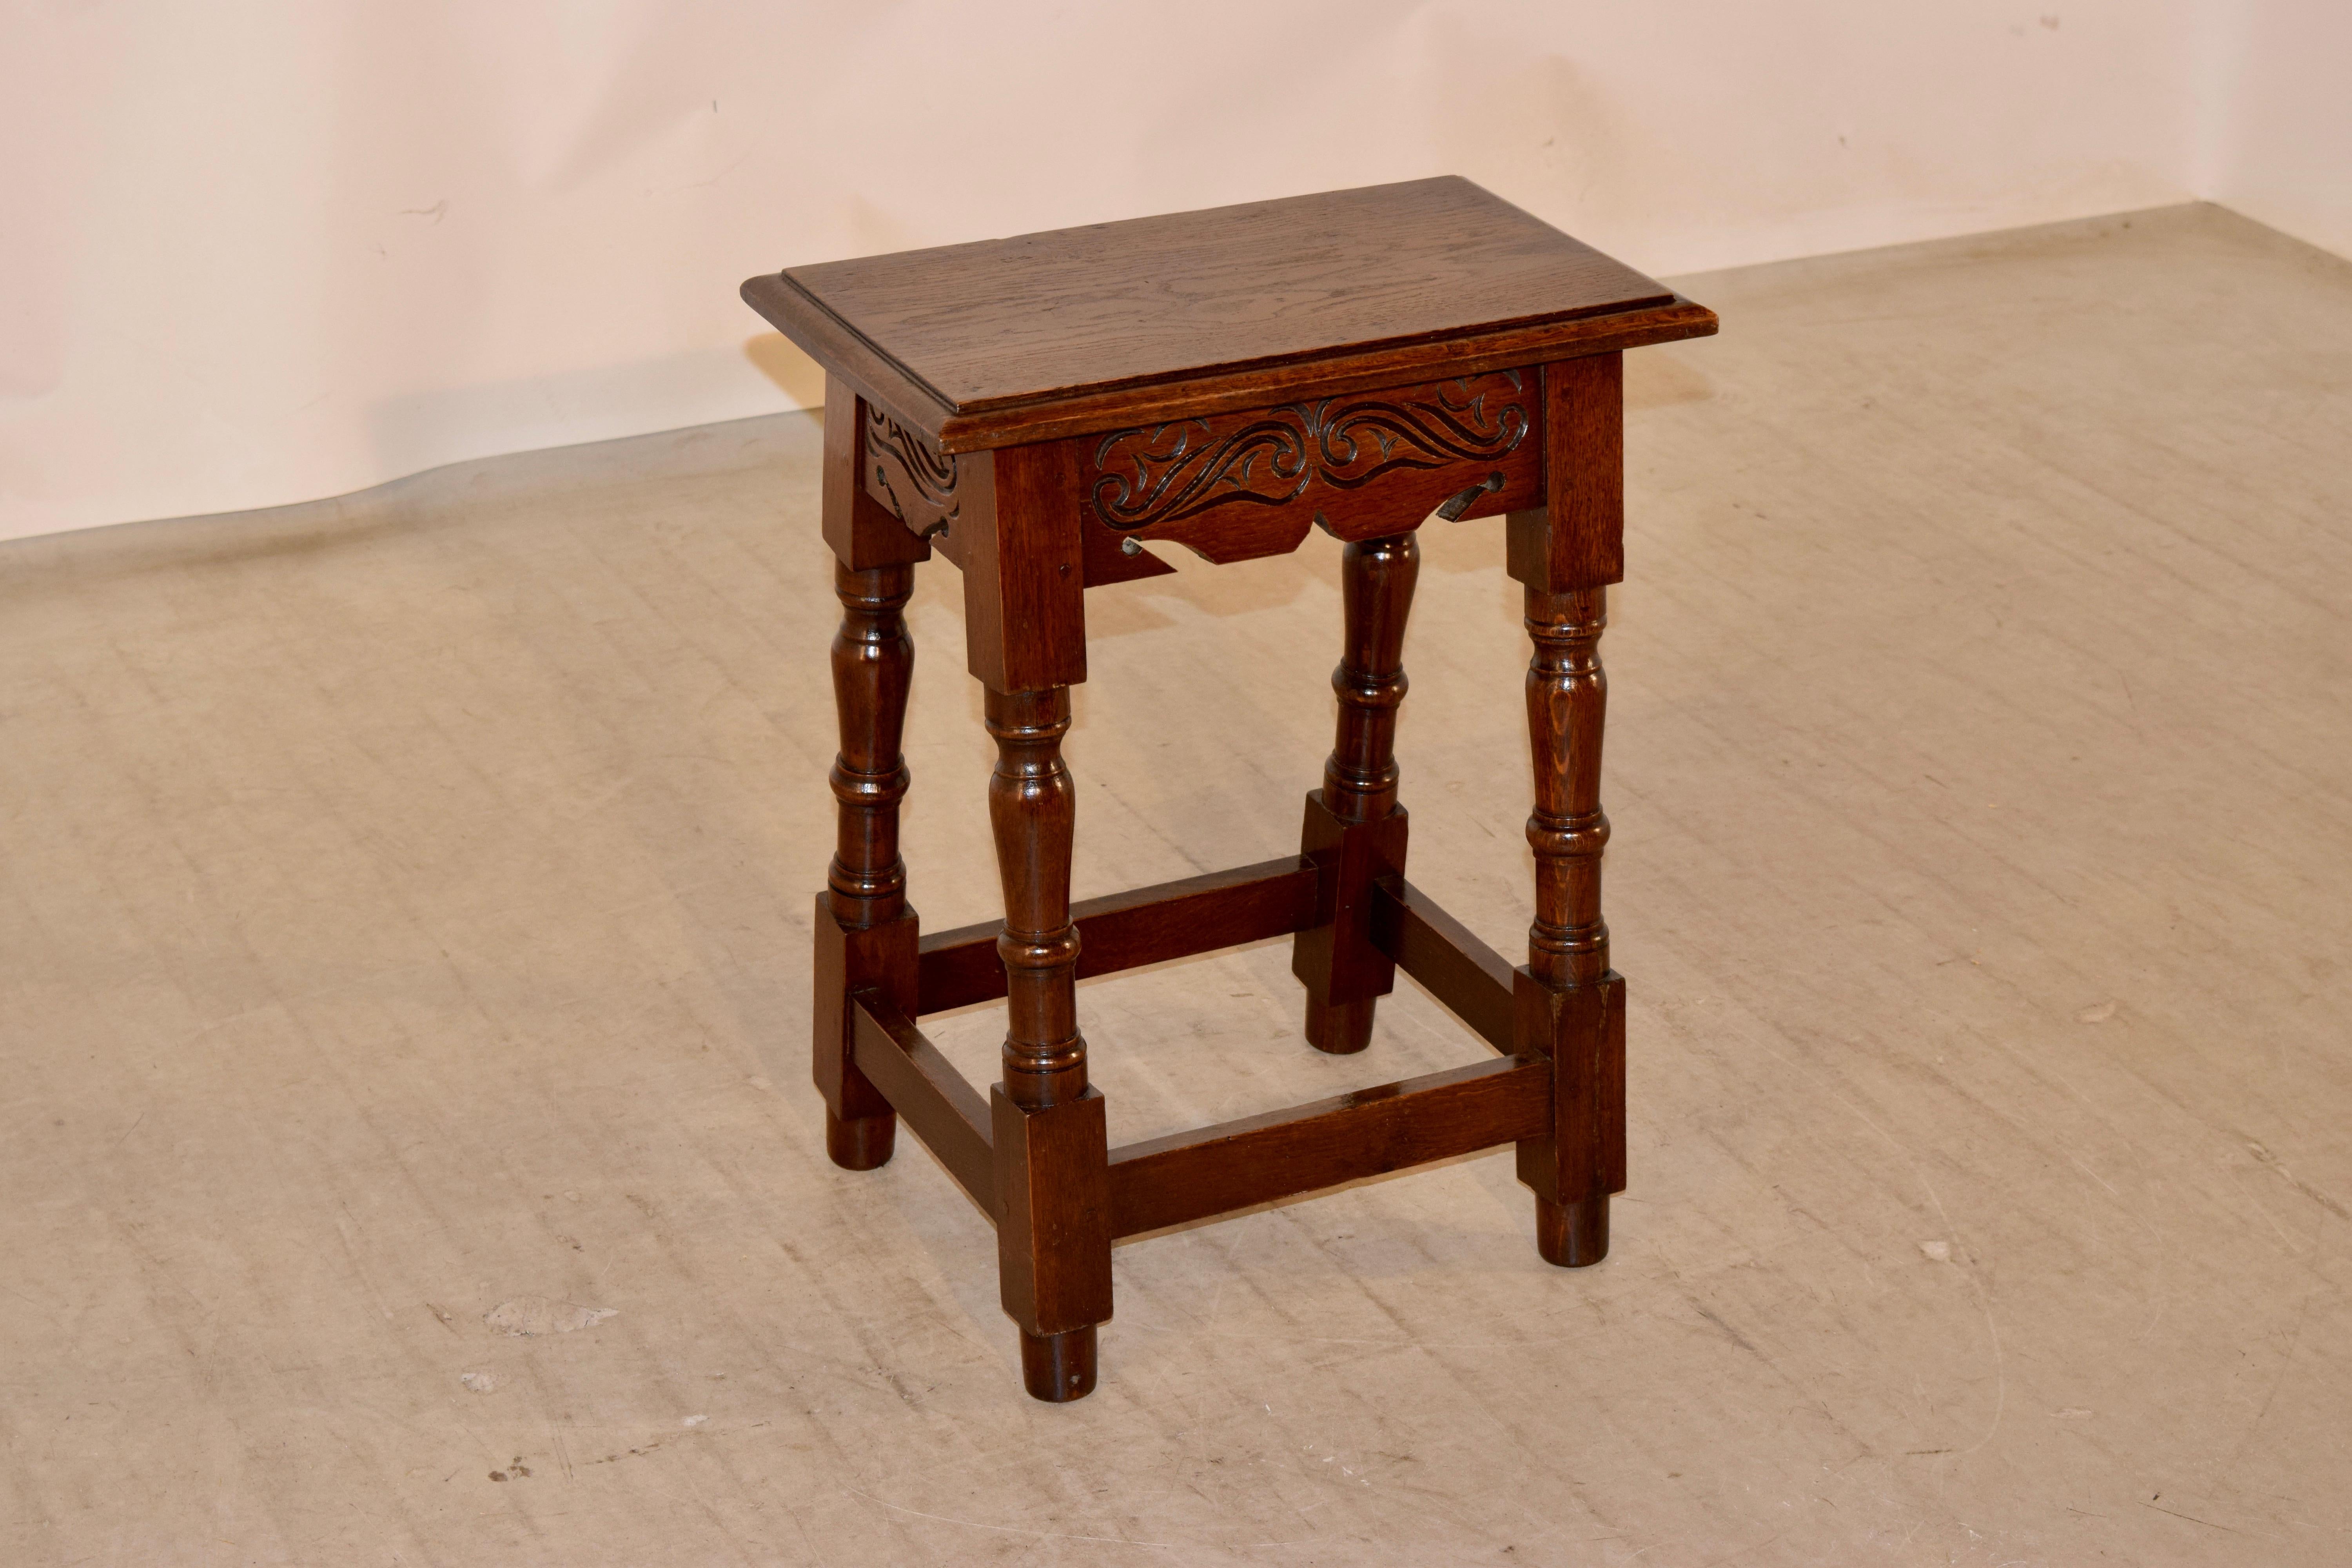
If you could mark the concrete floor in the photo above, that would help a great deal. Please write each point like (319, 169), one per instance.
(405, 917)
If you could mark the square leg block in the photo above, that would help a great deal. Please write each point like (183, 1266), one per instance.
(1343, 968)
(860, 1127)
(1053, 1236)
(1053, 1230)
(1574, 1169)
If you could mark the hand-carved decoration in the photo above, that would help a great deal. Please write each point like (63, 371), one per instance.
(1160, 473)
(906, 474)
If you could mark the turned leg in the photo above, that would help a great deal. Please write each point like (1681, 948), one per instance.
(1354, 826)
(1052, 1152)
(866, 937)
(1571, 1005)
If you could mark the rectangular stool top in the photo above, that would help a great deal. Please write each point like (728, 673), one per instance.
(1009, 340)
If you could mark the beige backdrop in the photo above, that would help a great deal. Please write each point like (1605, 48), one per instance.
(261, 252)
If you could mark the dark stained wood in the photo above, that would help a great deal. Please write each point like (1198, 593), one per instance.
(1058, 1368)
(1376, 584)
(1240, 486)
(860, 1130)
(1126, 931)
(1471, 978)
(1052, 1233)
(1023, 581)
(1032, 812)
(865, 934)
(1053, 1242)
(1567, 698)
(1580, 1158)
(1569, 1001)
(873, 664)
(1237, 486)
(1215, 1169)
(1343, 969)
(1227, 537)
(1106, 558)
(1354, 829)
(1000, 322)
(1578, 539)
(1345, 370)
(905, 475)
(940, 1106)
(1035, 410)
(863, 534)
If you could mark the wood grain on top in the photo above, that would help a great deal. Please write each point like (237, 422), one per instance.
(1084, 312)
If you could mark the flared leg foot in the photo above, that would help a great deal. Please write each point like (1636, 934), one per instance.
(1058, 1368)
(1572, 1236)
(1339, 1029)
(864, 1144)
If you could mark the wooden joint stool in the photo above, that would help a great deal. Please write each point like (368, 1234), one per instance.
(1035, 408)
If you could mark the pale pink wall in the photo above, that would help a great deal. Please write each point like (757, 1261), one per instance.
(262, 252)
(2280, 91)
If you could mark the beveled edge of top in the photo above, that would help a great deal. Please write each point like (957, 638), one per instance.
(981, 424)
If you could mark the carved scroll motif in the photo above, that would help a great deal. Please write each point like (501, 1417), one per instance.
(1160, 473)
(906, 474)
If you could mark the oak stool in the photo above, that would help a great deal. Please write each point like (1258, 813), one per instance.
(1035, 409)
